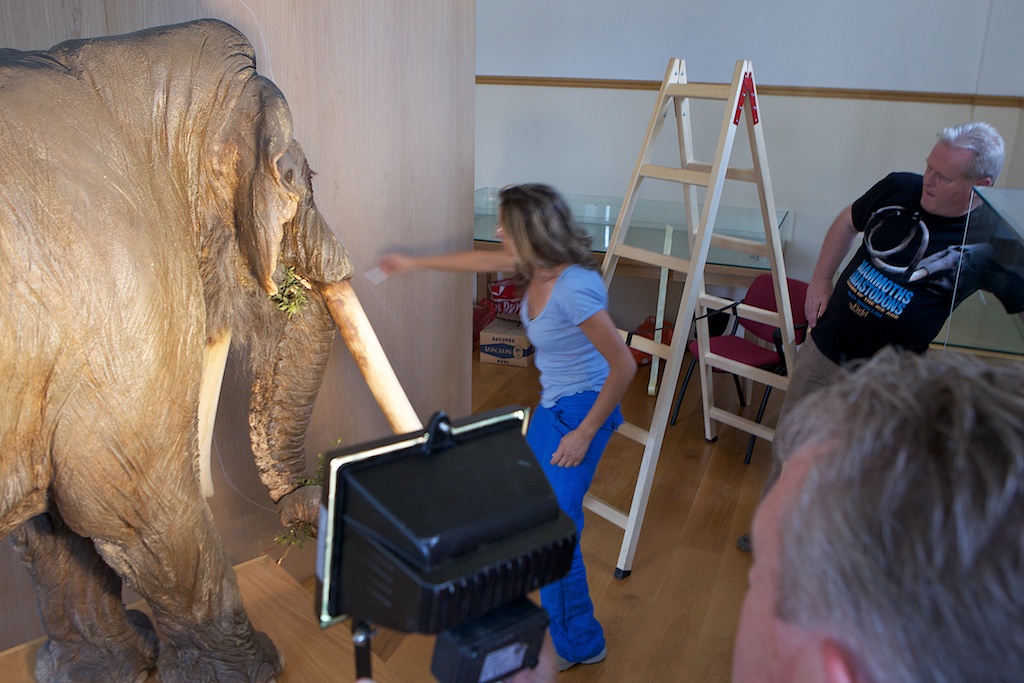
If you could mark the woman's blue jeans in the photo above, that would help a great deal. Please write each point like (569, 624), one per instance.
(577, 635)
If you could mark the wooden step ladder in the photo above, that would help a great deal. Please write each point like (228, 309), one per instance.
(740, 98)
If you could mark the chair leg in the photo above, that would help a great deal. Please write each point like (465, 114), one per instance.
(760, 414)
(739, 390)
(679, 396)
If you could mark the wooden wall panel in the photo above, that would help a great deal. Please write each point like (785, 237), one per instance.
(381, 92)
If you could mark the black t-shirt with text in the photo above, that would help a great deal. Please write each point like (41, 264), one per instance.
(899, 286)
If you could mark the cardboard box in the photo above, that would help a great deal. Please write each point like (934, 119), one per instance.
(504, 342)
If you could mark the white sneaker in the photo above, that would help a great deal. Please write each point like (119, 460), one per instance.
(564, 663)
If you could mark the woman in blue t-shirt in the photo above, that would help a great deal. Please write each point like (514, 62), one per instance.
(584, 365)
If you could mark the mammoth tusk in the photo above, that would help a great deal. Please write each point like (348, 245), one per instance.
(370, 358)
(214, 361)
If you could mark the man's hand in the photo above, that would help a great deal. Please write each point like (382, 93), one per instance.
(819, 291)
(838, 241)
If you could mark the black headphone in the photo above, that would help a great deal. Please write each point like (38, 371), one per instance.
(896, 216)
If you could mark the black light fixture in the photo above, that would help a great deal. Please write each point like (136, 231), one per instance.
(444, 532)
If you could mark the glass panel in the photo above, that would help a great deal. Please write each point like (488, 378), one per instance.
(981, 323)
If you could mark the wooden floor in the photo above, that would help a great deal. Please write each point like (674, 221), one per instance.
(674, 617)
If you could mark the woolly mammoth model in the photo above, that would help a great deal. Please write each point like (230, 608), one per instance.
(151, 198)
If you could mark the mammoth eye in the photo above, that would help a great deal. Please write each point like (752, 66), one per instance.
(289, 176)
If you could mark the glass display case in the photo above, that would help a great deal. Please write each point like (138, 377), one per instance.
(981, 324)
(655, 225)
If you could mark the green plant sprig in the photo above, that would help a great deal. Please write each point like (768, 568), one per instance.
(291, 293)
(295, 535)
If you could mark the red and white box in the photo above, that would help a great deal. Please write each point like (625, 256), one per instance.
(506, 297)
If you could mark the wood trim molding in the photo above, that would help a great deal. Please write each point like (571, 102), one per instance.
(776, 90)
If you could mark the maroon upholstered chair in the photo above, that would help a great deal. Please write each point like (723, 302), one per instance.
(741, 349)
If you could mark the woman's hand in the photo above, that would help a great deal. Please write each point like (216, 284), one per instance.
(602, 333)
(396, 264)
(572, 449)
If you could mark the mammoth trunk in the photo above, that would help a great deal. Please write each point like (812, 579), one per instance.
(287, 377)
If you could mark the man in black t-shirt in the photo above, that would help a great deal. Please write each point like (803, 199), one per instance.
(927, 244)
(912, 268)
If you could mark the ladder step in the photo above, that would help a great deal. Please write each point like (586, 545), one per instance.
(703, 91)
(759, 315)
(603, 509)
(652, 257)
(696, 173)
(650, 346)
(676, 175)
(742, 245)
(631, 431)
(742, 423)
(746, 175)
(747, 371)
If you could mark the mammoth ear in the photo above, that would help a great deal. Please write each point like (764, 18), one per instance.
(266, 200)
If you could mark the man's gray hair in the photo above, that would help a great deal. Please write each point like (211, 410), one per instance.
(982, 139)
(906, 540)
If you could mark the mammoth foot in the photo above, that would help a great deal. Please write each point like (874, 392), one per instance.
(127, 656)
(252, 660)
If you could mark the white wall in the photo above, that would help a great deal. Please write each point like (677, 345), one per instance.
(822, 152)
(926, 45)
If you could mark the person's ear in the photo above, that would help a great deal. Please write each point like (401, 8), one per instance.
(984, 182)
(838, 664)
